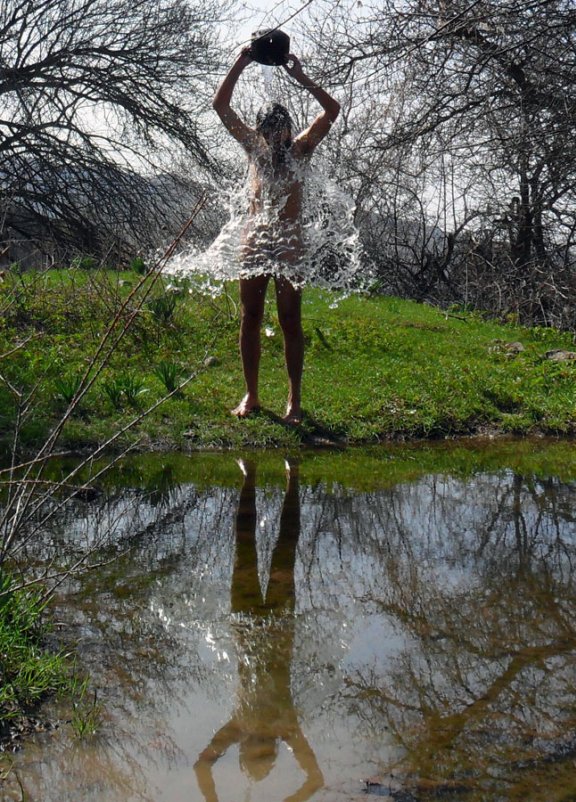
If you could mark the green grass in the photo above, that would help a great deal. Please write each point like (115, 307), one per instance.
(29, 671)
(364, 469)
(376, 368)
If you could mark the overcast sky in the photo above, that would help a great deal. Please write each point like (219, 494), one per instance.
(254, 15)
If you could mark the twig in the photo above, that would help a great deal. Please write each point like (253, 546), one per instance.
(92, 372)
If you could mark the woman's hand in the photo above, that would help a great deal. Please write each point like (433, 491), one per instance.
(294, 68)
(244, 57)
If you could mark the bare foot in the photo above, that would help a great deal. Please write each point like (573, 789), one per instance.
(242, 465)
(293, 416)
(290, 465)
(247, 467)
(246, 407)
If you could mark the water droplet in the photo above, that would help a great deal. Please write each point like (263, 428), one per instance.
(323, 250)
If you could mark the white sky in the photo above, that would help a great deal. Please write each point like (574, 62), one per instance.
(254, 15)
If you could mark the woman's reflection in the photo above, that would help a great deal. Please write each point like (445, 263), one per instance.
(264, 714)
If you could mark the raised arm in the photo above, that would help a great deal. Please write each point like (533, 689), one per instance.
(221, 103)
(315, 133)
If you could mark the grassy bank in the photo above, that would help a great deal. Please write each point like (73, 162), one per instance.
(376, 368)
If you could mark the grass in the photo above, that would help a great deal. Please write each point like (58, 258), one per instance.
(376, 368)
(29, 671)
(366, 469)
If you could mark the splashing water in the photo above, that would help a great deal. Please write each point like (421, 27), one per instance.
(267, 80)
(321, 248)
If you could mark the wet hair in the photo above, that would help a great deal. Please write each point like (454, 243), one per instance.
(273, 117)
(258, 753)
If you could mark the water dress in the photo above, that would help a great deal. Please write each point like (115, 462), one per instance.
(320, 246)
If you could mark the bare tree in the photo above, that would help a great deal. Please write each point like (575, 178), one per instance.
(474, 103)
(92, 92)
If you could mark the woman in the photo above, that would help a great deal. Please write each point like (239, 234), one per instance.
(272, 236)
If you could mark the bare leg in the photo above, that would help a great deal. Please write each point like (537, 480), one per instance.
(289, 302)
(252, 295)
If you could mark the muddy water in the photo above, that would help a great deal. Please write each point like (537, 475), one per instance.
(262, 630)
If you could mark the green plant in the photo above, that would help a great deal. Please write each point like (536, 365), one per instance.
(169, 374)
(86, 714)
(29, 672)
(162, 307)
(18, 608)
(138, 265)
(67, 387)
(132, 388)
(126, 387)
(113, 388)
(84, 263)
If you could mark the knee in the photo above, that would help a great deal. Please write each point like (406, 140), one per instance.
(251, 318)
(291, 323)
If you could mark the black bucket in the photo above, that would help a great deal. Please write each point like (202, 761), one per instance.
(270, 47)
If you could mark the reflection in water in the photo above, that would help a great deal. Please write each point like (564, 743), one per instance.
(285, 639)
(482, 696)
(264, 712)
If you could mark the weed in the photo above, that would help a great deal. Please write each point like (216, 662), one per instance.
(138, 265)
(84, 263)
(163, 307)
(29, 672)
(128, 387)
(67, 387)
(18, 608)
(132, 388)
(113, 388)
(86, 714)
(169, 374)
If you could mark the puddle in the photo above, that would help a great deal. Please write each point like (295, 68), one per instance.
(397, 623)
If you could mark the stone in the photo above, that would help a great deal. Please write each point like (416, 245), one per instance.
(558, 355)
(509, 349)
(515, 348)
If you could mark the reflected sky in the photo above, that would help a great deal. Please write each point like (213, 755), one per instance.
(279, 639)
